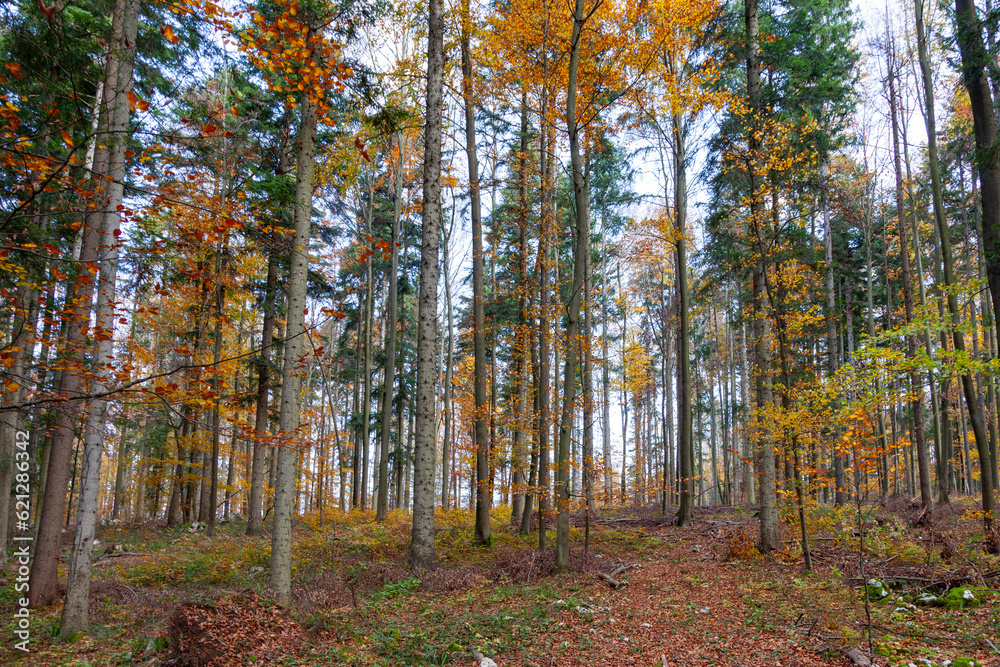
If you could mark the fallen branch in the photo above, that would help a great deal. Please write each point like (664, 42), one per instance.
(622, 568)
(614, 583)
(120, 554)
(857, 657)
(105, 559)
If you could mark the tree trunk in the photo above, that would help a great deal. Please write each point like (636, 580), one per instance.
(366, 396)
(108, 163)
(422, 553)
(911, 342)
(481, 414)
(840, 479)
(685, 436)
(213, 494)
(280, 579)
(391, 319)
(588, 379)
(581, 192)
(518, 490)
(974, 58)
(260, 441)
(769, 532)
(75, 614)
(542, 415)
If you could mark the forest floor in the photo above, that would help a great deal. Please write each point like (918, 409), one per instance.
(687, 596)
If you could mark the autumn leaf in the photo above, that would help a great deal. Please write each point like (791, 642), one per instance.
(68, 140)
(168, 32)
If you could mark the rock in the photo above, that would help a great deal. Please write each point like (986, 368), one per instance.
(482, 660)
(877, 590)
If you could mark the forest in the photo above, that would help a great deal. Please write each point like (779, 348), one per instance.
(593, 332)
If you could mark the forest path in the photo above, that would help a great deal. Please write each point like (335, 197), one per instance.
(684, 605)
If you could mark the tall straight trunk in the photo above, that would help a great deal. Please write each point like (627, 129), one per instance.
(958, 338)
(260, 440)
(75, 615)
(391, 319)
(542, 417)
(991, 386)
(840, 478)
(532, 491)
(974, 59)
(366, 396)
(625, 383)
(937, 406)
(713, 443)
(605, 371)
(724, 414)
(749, 489)
(119, 500)
(667, 397)
(588, 381)
(422, 554)
(449, 313)
(107, 175)
(685, 434)
(213, 495)
(280, 579)
(911, 341)
(518, 457)
(769, 533)
(481, 414)
(356, 408)
(15, 451)
(581, 196)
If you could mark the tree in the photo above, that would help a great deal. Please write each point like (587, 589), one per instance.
(118, 83)
(581, 196)
(974, 59)
(769, 531)
(422, 553)
(100, 219)
(483, 489)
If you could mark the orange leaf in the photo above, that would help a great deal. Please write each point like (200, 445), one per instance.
(132, 99)
(208, 129)
(68, 140)
(168, 32)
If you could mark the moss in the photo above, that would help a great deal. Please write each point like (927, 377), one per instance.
(877, 590)
(964, 596)
(964, 661)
